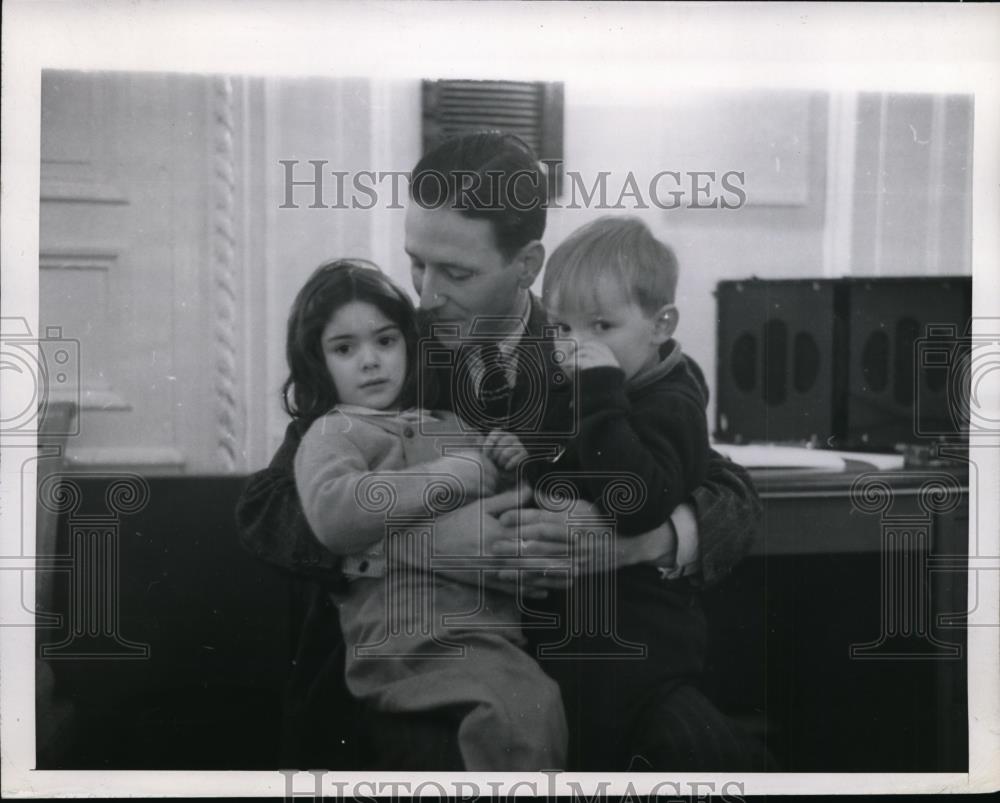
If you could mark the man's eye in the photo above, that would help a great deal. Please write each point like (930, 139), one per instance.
(563, 329)
(458, 275)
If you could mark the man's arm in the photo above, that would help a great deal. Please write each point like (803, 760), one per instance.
(727, 509)
(706, 537)
(703, 539)
(729, 515)
(273, 526)
(271, 523)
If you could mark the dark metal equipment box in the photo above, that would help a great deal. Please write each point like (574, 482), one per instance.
(860, 362)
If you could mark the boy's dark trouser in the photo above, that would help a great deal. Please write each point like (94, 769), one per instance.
(679, 730)
(645, 713)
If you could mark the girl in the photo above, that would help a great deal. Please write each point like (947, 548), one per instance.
(370, 483)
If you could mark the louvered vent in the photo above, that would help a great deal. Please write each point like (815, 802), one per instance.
(532, 110)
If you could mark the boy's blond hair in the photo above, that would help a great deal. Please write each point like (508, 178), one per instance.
(620, 248)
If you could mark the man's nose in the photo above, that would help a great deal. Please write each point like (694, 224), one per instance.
(430, 295)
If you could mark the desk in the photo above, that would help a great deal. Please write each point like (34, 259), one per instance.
(828, 639)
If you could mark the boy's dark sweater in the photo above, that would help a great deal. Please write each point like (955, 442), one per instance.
(633, 635)
(650, 431)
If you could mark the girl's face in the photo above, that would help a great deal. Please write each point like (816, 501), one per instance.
(365, 353)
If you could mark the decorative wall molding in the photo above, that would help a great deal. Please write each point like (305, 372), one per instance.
(75, 149)
(883, 127)
(911, 184)
(840, 167)
(253, 215)
(95, 192)
(101, 258)
(381, 127)
(229, 411)
(150, 457)
(76, 257)
(147, 259)
(93, 398)
(935, 185)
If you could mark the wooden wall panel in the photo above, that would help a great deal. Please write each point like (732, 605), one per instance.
(165, 253)
(122, 248)
(913, 198)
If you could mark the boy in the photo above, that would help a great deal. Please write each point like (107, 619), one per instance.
(610, 287)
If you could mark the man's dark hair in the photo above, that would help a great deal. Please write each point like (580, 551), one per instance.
(490, 175)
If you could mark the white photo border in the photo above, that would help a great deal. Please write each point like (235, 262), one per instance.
(926, 48)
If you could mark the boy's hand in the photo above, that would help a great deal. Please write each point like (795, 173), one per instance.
(505, 449)
(594, 354)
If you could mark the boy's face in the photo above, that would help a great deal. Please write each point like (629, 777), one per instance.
(616, 321)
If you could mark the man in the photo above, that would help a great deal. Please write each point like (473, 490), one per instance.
(473, 232)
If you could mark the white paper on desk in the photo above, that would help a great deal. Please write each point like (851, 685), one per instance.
(881, 462)
(767, 456)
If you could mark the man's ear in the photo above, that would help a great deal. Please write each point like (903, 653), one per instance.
(528, 263)
(666, 320)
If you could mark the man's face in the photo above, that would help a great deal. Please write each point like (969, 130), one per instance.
(457, 269)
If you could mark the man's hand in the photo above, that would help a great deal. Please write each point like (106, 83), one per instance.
(472, 531)
(477, 475)
(544, 534)
(500, 526)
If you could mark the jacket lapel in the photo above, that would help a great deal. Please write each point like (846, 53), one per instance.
(530, 402)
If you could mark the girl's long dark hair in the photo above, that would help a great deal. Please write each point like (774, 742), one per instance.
(309, 392)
